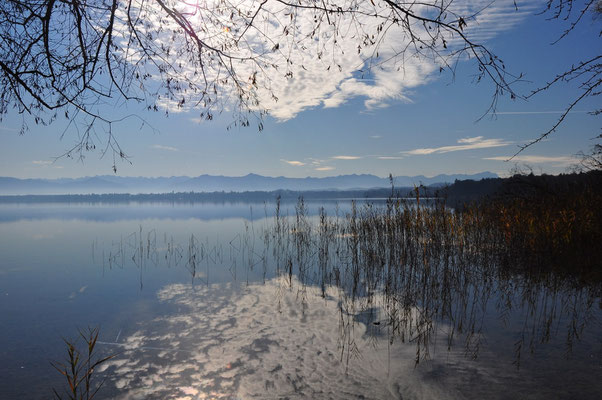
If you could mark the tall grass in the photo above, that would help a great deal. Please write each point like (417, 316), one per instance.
(78, 368)
(558, 232)
(423, 264)
(420, 268)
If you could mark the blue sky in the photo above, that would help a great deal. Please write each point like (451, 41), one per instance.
(423, 124)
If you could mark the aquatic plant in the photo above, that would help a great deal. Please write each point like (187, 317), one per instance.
(419, 268)
(78, 368)
(422, 264)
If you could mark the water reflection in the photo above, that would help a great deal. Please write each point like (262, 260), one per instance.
(132, 211)
(263, 340)
(366, 303)
(275, 340)
(339, 302)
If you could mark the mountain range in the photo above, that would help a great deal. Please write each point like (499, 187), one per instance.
(215, 183)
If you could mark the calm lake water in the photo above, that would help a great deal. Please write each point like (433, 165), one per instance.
(201, 301)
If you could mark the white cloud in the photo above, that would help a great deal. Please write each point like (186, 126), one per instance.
(315, 161)
(557, 160)
(312, 66)
(161, 147)
(279, 338)
(326, 168)
(471, 143)
(292, 162)
(316, 85)
(41, 162)
(346, 157)
(389, 158)
(471, 140)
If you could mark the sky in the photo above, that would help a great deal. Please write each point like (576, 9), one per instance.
(415, 122)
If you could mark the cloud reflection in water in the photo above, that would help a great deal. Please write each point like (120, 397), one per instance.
(263, 341)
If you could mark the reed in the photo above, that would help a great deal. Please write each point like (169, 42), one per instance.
(78, 368)
(423, 264)
(417, 265)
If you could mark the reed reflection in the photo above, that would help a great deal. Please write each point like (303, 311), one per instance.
(416, 272)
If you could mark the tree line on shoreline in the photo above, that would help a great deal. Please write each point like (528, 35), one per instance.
(455, 195)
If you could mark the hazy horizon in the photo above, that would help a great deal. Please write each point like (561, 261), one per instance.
(105, 184)
(252, 174)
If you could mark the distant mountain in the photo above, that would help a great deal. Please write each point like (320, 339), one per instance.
(212, 183)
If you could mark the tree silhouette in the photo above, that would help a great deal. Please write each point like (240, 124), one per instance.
(81, 58)
(591, 161)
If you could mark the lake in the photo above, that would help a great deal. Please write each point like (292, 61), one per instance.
(240, 300)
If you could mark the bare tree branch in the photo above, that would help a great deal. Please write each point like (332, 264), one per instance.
(82, 57)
